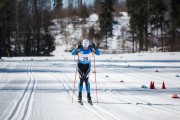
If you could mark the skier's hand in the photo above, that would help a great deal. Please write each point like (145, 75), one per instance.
(92, 45)
(77, 52)
(79, 46)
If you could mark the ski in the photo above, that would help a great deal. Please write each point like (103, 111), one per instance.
(80, 102)
(90, 102)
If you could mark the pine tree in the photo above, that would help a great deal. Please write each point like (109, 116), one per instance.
(157, 11)
(7, 26)
(106, 18)
(49, 44)
(22, 25)
(142, 14)
(137, 9)
(131, 8)
(175, 14)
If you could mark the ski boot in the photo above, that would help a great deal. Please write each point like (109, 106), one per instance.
(80, 98)
(89, 99)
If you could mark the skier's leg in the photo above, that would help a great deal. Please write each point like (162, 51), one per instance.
(88, 90)
(87, 71)
(87, 85)
(81, 85)
(80, 68)
(89, 97)
(80, 89)
(80, 96)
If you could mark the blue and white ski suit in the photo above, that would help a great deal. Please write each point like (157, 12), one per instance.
(84, 65)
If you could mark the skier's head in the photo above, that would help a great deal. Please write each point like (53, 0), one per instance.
(85, 44)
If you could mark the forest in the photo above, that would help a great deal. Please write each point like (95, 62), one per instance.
(24, 24)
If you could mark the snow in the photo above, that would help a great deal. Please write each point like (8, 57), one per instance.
(93, 17)
(35, 88)
(75, 32)
(41, 88)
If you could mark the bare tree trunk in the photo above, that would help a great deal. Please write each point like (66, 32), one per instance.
(162, 41)
(80, 3)
(36, 28)
(133, 32)
(17, 29)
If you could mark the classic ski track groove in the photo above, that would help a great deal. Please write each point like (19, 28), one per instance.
(22, 106)
(55, 74)
(135, 101)
(94, 106)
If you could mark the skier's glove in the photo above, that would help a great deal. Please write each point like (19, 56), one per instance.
(92, 45)
(79, 46)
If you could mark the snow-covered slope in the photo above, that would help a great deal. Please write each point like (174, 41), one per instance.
(73, 34)
(41, 88)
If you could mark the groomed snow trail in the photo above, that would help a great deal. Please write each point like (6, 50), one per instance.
(41, 89)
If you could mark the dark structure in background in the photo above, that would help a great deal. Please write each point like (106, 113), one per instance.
(23, 25)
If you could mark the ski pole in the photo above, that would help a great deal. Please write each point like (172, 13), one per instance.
(75, 78)
(95, 75)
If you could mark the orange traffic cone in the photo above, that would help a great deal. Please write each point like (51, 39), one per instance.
(152, 85)
(163, 85)
(175, 96)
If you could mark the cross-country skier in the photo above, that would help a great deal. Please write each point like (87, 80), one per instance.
(84, 52)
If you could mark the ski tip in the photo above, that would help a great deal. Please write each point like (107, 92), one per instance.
(90, 103)
(81, 103)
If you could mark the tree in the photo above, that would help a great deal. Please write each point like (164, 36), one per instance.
(83, 12)
(175, 14)
(22, 26)
(57, 8)
(49, 44)
(133, 20)
(138, 19)
(142, 14)
(91, 34)
(7, 26)
(106, 18)
(157, 12)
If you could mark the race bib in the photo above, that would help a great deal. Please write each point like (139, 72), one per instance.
(85, 57)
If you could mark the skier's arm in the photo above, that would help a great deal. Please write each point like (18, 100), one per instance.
(75, 51)
(95, 50)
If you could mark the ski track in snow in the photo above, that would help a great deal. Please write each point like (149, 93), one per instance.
(48, 90)
(89, 108)
(22, 108)
(65, 84)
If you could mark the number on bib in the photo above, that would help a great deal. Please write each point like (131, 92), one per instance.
(85, 58)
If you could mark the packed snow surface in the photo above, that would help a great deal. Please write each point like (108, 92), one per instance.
(41, 88)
